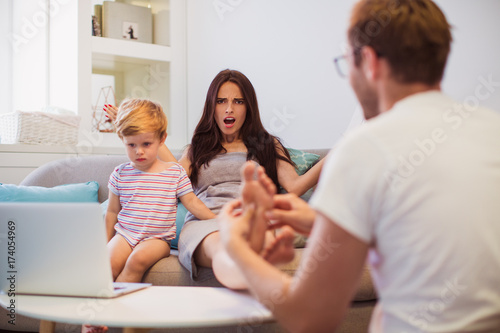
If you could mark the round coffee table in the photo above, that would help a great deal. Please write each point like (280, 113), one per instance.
(153, 307)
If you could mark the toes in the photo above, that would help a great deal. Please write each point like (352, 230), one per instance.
(248, 171)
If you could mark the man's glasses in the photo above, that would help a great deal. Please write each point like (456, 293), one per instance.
(341, 62)
(341, 65)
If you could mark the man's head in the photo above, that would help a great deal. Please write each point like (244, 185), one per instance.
(412, 35)
(138, 116)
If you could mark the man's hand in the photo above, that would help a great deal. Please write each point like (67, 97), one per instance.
(291, 210)
(235, 225)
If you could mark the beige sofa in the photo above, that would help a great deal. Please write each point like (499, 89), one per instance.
(168, 271)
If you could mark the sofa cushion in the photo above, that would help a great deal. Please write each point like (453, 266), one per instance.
(169, 272)
(80, 192)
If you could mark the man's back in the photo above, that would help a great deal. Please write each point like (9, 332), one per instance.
(421, 184)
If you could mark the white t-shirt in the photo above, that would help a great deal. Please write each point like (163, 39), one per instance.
(421, 185)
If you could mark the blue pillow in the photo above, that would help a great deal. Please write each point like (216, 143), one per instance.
(303, 160)
(82, 192)
(179, 220)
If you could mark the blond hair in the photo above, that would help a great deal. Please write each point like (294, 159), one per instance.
(138, 116)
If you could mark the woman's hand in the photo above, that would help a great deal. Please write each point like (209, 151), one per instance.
(111, 112)
(291, 210)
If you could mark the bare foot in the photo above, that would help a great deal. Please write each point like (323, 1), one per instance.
(258, 189)
(281, 250)
(94, 329)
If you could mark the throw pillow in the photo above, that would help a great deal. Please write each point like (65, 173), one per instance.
(179, 222)
(303, 160)
(81, 192)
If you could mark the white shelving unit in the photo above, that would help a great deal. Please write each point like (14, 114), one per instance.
(156, 71)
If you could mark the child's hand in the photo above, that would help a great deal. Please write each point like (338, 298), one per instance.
(111, 112)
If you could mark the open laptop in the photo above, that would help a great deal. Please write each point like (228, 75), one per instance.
(56, 249)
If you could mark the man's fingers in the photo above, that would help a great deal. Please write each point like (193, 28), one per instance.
(230, 207)
(279, 215)
(285, 201)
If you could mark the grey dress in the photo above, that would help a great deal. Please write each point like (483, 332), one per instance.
(217, 184)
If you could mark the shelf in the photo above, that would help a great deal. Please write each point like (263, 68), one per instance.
(111, 53)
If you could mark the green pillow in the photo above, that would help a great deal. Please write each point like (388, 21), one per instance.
(82, 192)
(303, 160)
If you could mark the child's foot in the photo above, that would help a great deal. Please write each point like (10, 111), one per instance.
(258, 189)
(94, 329)
(281, 250)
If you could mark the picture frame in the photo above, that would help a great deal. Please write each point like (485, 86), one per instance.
(124, 21)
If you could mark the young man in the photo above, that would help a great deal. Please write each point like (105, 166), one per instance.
(416, 188)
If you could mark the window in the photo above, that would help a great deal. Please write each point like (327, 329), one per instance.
(24, 54)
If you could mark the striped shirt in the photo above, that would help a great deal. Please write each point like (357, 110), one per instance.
(148, 201)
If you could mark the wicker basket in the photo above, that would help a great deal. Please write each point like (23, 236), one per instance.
(39, 128)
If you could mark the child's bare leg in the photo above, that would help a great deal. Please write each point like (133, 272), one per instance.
(257, 189)
(119, 251)
(144, 255)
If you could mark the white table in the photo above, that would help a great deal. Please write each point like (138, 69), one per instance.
(153, 307)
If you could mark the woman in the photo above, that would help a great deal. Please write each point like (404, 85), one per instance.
(228, 134)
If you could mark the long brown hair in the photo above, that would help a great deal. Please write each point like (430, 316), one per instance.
(262, 146)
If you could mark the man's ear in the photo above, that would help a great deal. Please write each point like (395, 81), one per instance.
(370, 62)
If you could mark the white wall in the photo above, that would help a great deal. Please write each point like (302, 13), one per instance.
(286, 48)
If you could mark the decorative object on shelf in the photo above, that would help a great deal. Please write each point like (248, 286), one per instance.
(97, 21)
(124, 21)
(96, 27)
(42, 128)
(99, 120)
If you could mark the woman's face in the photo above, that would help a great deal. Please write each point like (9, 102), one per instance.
(230, 110)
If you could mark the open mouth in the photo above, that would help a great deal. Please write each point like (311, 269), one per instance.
(229, 121)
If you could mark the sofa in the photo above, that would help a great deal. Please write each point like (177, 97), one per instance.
(168, 271)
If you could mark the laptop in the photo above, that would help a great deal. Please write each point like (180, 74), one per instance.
(56, 249)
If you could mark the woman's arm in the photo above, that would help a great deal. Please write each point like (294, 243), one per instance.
(196, 206)
(292, 182)
(111, 218)
(185, 161)
(165, 154)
